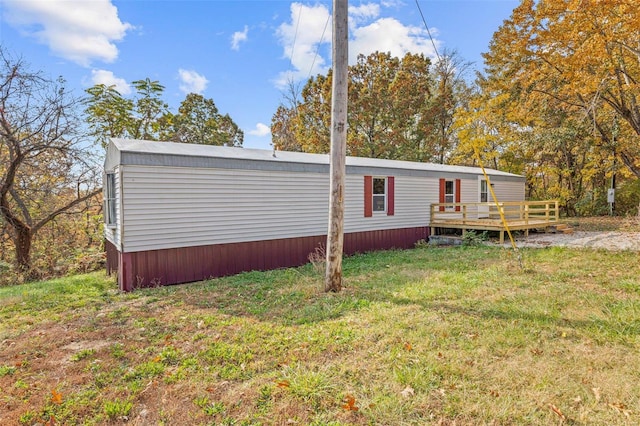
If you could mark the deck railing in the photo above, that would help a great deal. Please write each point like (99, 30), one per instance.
(525, 212)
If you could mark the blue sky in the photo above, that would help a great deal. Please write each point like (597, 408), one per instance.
(240, 53)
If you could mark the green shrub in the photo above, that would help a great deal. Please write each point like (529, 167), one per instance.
(472, 238)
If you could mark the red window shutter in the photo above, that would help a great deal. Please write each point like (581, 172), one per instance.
(457, 194)
(390, 196)
(368, 196)
(442, 189)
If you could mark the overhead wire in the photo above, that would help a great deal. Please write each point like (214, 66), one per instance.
(326, 25)
(295, 35)
(424, 21)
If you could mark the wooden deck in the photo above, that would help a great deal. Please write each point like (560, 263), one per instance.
(519, 216)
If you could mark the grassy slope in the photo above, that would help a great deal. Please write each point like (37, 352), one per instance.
(425, 336)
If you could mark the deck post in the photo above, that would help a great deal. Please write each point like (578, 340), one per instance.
(546, 211)
(501, 237)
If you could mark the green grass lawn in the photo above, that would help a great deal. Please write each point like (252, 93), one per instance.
(439, 336)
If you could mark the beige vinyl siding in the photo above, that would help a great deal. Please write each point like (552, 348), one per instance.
(469, 189)
(508, 190)
(413, 196)
(167, 207)
(114, 234)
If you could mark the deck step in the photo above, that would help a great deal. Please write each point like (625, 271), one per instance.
(560, 228)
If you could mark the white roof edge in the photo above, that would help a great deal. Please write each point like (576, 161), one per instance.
(195, 150)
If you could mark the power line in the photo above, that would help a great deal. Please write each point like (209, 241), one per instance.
(318, 46)
(428, 31)
(295, 35)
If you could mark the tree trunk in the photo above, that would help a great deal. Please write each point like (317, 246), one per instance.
(23, 240)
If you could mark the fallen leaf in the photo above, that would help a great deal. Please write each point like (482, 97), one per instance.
(408, 346)
(617, 406)
(557, 411)
(350, 402)
(52, 421)
(407, 392)
(283, 384)
(494, 393)
(536, 351)
(56, 397)
(620, 408)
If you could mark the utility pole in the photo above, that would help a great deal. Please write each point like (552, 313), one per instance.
(337, 167)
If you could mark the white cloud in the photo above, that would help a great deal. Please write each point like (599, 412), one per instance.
(109, 79)
(80, 31)
(260, 130)
(301, 38)
(239, 37)
(390, 35)
(364, 12)
(191, 81)
(392, 3)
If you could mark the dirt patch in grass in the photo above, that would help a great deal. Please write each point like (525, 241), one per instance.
(605, 223)
(608, 240)
(600, 233)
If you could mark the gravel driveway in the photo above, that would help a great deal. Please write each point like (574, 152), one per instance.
(612, 240)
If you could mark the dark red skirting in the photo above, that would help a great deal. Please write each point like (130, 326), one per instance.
(187, 264)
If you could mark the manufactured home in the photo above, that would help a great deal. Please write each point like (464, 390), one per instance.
(178, 213)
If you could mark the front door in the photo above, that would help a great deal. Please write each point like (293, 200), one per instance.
(483, 197)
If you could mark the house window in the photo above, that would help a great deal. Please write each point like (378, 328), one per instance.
(110, 200)
(449, 195)
(484, 191)
(379, 194)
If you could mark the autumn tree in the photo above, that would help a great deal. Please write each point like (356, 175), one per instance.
(450, 93)
(44, 164)
(198, 121)
(388, 99)
(147, 116)
(561, 87)
(312, 123)
(284, 121)
(112, 115)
